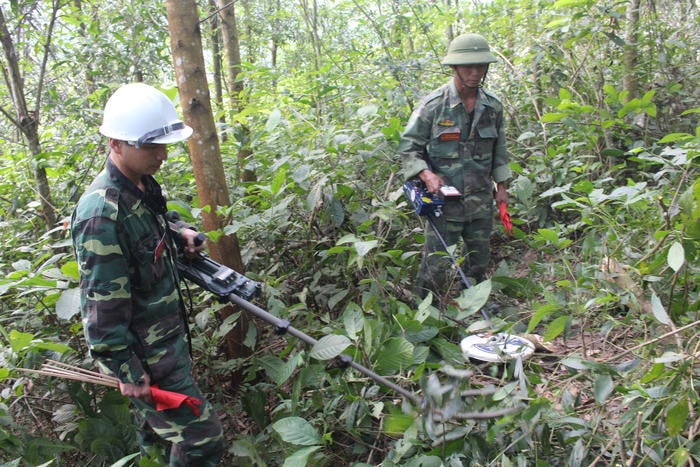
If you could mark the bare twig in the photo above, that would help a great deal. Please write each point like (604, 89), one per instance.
(64, 370)
(657, 339)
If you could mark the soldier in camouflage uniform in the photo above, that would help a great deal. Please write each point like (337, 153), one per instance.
(133, 315)
(455, 137)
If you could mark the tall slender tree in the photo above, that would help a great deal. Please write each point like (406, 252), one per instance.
(190, 71)
(232, 49)
(26, 120)
(630, 54)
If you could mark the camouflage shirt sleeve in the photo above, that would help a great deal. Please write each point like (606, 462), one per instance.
(501, 170)
(413, 146)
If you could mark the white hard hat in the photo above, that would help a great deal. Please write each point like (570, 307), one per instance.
(140, 114)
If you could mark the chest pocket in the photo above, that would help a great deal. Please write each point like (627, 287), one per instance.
(149, 262)
(485, 143)
(444, 145)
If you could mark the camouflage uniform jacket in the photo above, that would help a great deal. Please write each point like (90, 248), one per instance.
(131, 306)
(468, 152)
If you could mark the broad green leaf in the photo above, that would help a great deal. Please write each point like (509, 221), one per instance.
(571, 3)
(22, 265)
(278, 181)
(675, 137)
(603, 387)
(329, 347)
(449, 351)
(52, 346)
(426, 309)
(473, 299)
(548, 235)
(423, 334)
(555, 328)
(648, 97)
(681, 456)
(365, 247)
(20, 340)
(301, 457)
(347, 238)
(629, 106)
(655, 372)
(658, 310)
(541, 313)
(435, 461)
(676, 256)
(277, 369)
(70, 269)
(577, 453)
(556, 191)
(670, 357)
(396, 354)
(227, 324)
(565, 94)
(353, 320)
(273, 120)
(297, 431)
(503, 391)
(396, 423)
(369, 110)
(68, 304)
(554, 117)
(676, 417)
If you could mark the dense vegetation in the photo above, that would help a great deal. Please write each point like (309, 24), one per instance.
(602, 105)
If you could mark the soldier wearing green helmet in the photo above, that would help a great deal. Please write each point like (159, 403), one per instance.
(455, 138)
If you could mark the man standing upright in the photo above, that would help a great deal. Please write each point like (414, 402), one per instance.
(133, 314)
(455, 137)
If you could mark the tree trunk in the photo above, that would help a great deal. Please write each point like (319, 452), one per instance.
(26, 121)
(186, 45)
(229, 32)
(216, 60)
(630, 53)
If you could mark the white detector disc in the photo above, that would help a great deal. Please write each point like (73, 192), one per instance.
(496, 347)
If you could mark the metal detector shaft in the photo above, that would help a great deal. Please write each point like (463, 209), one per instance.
(465, 280)
(283, 326)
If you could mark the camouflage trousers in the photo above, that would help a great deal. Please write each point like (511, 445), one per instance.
(190, 440)
(436, 272)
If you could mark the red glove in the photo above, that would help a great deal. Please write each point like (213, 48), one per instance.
(505, 218)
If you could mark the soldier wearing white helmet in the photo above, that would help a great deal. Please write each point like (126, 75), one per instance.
(456, 137)
(133, 314)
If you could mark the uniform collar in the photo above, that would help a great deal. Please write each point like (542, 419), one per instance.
(153, 196)
(122, 180)
(454, 100)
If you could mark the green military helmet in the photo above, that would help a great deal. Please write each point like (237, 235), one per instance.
(469, 49)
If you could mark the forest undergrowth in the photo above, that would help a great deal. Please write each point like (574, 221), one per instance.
(600, 273)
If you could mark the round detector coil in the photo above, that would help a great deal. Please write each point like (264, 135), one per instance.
(496, 347)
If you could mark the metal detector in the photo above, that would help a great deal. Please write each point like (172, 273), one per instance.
(485, 347)
(231, 286)
(429, 205)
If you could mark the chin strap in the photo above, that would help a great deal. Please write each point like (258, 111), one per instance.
(162, 131)
(478, 86)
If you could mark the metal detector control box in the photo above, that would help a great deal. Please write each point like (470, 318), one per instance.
(217, 278)
(423, 202)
